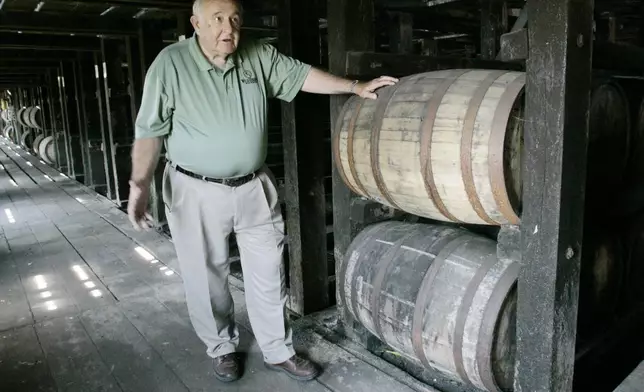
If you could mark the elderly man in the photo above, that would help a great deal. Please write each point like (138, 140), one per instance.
(206, 98)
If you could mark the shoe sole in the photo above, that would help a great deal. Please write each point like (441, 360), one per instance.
(226, 379)
(294, 377)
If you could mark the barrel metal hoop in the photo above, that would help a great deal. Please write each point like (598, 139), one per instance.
(466, 144)
(336, 145)
(383, 268)
(490, 316)
(423, 295)
(379, 116)
(350, 135)
(426, 131)
(461, 318)
(496, 151)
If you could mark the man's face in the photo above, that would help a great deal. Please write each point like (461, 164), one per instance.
(218, 26)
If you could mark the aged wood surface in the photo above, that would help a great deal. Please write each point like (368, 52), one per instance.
(350, 26)
(369, 64)
(437, 295)
(304, 168)
(444, 145)
(557, 104)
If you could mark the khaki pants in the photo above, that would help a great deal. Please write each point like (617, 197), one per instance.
(201, 216)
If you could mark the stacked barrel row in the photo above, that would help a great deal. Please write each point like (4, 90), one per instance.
(447, 146)
(30, 117)
(32, 137)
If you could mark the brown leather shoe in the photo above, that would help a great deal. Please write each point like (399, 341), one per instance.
(297, 368)
(227, 368)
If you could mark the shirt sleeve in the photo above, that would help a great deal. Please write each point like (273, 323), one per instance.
(285, 76)
(155, 114)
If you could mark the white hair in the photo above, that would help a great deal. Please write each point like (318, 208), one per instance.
(198, 4)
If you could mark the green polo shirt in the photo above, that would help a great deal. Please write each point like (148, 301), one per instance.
(214, 121)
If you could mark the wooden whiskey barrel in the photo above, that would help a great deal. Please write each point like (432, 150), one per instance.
(445, 145)
(36, 144)
(601, 279)
(609, 139)
(34, 117)
(633, 289)
(438, 296)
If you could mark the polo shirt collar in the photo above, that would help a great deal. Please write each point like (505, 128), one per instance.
(202, 61)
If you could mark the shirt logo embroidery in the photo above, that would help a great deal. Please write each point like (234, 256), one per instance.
(248, 78)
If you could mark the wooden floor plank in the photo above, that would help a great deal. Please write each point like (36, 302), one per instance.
(634, 382)
(131, 359)
(22, 363)
(14, 307)
(137, 336)
(177, 343)
(73, 358)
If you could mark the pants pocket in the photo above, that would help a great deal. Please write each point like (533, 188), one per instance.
(270, 198)
(166, 188)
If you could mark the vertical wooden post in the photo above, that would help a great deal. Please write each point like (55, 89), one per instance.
(493, 24)
(557, 104)
(98, 69)
(184, 27)
(62, 94)
(303, 137)
(109, 145)
(79, 94)
(150, 44)
(350, 27)
(400, 33)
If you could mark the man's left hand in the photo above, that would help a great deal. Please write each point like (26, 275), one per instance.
(367, 90)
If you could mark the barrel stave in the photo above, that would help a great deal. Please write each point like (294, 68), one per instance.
(409, 149)
(438, 296)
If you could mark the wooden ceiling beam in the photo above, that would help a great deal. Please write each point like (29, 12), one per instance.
(157, 4)
(52, 43)
(59, 24)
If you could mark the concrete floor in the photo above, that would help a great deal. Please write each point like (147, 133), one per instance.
(88, 304)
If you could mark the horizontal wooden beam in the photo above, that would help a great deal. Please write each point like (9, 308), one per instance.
(413, 3)
(34, 42)
(369, 64)
(10, 86)
(23, 69)
(41, 22)
(608, 56)
(157, 4)
(10, 56)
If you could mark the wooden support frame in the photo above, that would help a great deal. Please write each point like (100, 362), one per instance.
(82, 119)
(558, 72)
(73, 119)
(150, 43)
(62, 100)
(303, 135)
(369, 64)
(401, 32)
(494, 20)
(101, 111)
(350, 27)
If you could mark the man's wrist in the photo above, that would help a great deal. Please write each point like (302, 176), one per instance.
(140, 183)
(353, 88)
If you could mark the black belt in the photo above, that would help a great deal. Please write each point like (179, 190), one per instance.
(232, 182)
